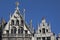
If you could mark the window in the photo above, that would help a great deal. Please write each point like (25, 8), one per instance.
(13, 30)
(43, 24)
(46, 30)
(43, 30)
(38, 38)
(22, 22)
(26, 31)
(7, 31)
(43, 38)
(17, 22)
(20, 30)
(48, 38)
(40, 31)
(12, 22)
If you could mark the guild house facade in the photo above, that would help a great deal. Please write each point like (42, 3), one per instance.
(17, 28)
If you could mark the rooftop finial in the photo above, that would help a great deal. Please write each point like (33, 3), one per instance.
(17, 4)
(43, 18)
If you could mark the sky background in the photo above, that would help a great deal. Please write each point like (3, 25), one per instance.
(35, 10)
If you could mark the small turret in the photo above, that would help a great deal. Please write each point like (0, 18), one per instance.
(3, 23)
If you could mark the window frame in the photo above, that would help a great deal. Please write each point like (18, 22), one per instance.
(12, 22)
(43, 30)
(17, 22)
(13, 30)
(20, 30)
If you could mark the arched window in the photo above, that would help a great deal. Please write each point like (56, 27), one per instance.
(13, 30)
(17, 22)
(40, 31)
(43, 30)
(26, 31)
(12, 22)
(20, 30)
(46, 30)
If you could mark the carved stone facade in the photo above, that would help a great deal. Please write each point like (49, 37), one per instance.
(58, 37)
(17, 29)
(44, 32)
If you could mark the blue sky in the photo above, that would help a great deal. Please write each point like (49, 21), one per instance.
(35, 10)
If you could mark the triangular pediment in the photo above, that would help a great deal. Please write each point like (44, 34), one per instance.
(16, 16)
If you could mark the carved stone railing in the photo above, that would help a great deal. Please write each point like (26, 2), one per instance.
(16, 35)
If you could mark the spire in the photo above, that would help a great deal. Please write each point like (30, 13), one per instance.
(38, 26)
(24, 14)
(32, 28)
(43, 20)
(10, 15)
(49, 24)
(17, 4)
(3, 21)
(31, 22)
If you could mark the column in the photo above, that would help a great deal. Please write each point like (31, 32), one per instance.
(45, 38)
